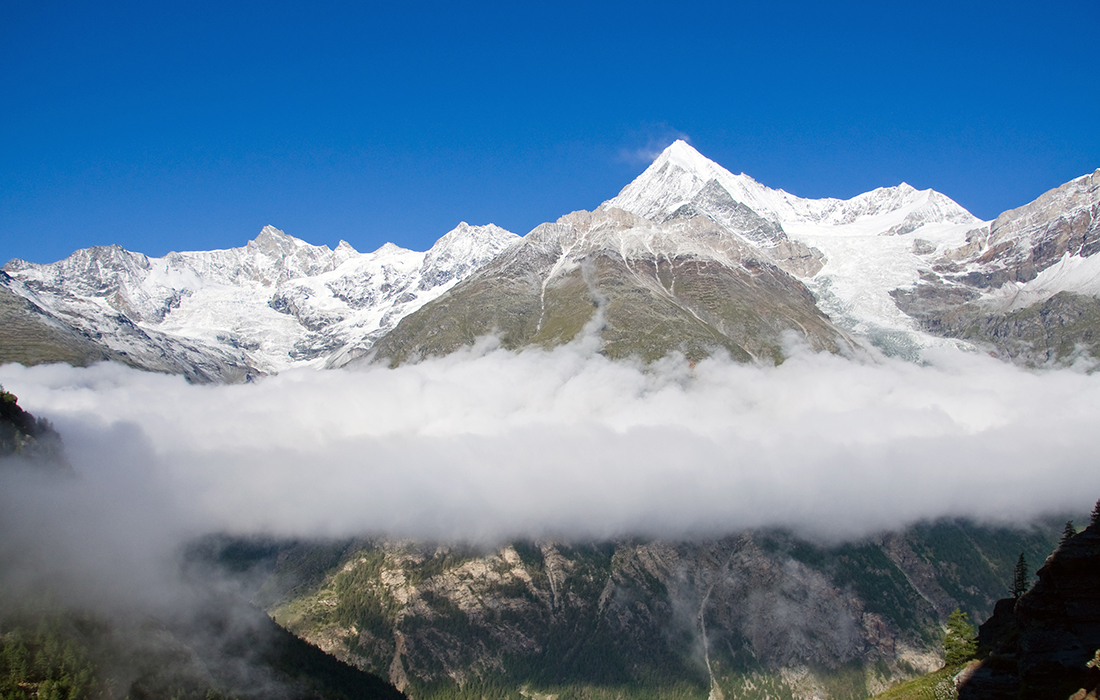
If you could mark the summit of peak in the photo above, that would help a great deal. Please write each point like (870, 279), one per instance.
(271, 239)
(390, 248)
(270, 231)
(683, 154)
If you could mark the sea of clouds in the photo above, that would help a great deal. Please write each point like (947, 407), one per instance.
(488, 444)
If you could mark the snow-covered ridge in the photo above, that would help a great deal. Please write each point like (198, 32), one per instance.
(279, 302)
(276, 302)
(681, 172)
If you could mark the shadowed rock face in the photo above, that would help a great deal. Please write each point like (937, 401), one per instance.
(1039, 647)
(716, 203)
(1059, 329)
(634, 287)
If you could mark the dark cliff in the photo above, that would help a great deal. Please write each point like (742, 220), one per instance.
(1043, 646)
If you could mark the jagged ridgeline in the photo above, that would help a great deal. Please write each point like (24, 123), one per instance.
(688, 258)
(756, 615)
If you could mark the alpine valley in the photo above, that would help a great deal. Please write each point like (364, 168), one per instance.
(688, 261)
(688, 258)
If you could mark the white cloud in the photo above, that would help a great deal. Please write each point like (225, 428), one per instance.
(490, 444)
(656, 139)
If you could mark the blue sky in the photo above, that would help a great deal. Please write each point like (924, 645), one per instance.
(190, 126)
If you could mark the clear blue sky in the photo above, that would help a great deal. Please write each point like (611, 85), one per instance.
(189, 126)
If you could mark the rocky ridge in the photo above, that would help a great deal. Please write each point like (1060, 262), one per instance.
(632, 286)
(1025, 284)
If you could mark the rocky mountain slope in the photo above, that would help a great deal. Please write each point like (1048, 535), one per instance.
(906, 268)
(688, 257)
(1026, 284)
(632, 286)
(753, 615)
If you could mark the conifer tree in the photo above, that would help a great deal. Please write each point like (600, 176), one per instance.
(1068, 532)
(1019, 579)
(959, 643)
(1095, 522)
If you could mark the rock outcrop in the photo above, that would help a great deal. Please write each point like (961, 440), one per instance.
(1043, 646)
(632, 286)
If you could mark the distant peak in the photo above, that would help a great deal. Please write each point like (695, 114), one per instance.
(390, 248)
(465, 230)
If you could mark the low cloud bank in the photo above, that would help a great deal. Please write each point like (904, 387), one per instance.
(489, 444)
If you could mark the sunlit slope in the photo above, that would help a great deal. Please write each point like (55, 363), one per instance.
(631, 287)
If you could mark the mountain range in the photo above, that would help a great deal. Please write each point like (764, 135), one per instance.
(688, 258)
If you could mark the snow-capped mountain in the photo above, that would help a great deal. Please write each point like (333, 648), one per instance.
(908, 269)
(625, 286)
(686, 257)
(680, 173)
(275, 303)
(851, 253)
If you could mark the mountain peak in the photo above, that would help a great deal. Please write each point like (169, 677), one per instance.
(682, 154)
(270, 231)
(390, 248)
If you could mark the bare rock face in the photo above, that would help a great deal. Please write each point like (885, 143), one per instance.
(1040, 646)
(1021, 284)
(1022, 242)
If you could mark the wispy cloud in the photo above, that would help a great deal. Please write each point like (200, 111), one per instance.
(647, 143)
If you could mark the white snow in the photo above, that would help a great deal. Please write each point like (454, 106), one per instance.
(863, 261)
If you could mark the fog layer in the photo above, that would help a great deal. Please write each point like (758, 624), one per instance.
(489, 444)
